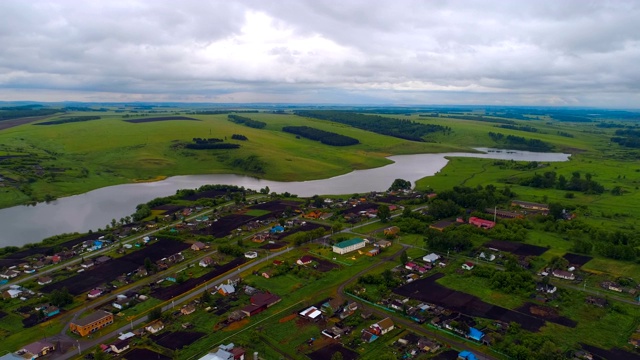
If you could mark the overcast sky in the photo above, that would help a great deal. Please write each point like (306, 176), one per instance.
(564, 53)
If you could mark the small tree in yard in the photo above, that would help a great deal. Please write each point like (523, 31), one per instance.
(155, 313)
(404, 258)
(384, 213)
(337, 356)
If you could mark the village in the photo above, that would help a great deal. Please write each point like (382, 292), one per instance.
(317, 276)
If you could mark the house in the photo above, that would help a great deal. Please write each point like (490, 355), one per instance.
(44, 280)
(260, 238)
(197, 246)
(11, 293)
(226, 352)
(428, 345)
(251, 254)
(383, 326)
(206, 261)
(348, 246)
(373, 252)
(305, 260)
(530, 205)
(487, 257)
(266, 299)
(410, 266)
(251, 310)
(475, 334)
(546, 288)
(267, 274)
(349, 310)
(481, 223)
(87, 264)
(431, 258)
(276, 229)
(155, 326)
(441, 225)
(120, 346)
(562, 274)
(468, 265)
(121, 302)
(312, 313)
(226, 289)
(368, 337)
(50, 311)
(466, 355)
(383, 243)
(391, 231)
(36, 349)
(88, 324)
(9, 274)
(188, 309)
(94, 293)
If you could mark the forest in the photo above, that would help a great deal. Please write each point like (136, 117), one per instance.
(627, 137)
(550, 180)
(325, 137)
(519, 142)
(209, 144)
(247, 121)
(403, 129)
(8, 113)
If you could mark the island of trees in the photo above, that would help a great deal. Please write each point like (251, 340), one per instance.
(325, 137)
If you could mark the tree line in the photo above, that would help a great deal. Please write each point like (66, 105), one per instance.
(239, 137)
(9, 113)
(627, 137)
(325, 137)
(519, 142)
(247, 121)
(550, 180)
(403, 129)
(526, 128)
(210, 144)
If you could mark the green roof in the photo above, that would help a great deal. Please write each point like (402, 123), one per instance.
(348, 243)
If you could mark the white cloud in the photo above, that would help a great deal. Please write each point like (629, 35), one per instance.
(494, 52)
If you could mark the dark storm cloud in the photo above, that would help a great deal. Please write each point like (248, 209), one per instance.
(493, 52)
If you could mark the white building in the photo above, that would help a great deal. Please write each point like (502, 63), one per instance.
(348, 246)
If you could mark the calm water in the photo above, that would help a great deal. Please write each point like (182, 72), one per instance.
(20, 225)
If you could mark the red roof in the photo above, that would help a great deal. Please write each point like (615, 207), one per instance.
(306, 259)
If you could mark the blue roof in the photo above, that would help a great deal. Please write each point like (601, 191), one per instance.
(277, 229)
(475, 334)
(467, 355)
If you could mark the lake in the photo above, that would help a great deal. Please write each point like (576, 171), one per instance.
(27, 224)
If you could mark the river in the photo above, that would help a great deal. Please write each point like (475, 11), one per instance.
(20, 225)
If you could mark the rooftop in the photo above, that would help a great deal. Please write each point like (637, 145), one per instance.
(348, 243)
(91, 318)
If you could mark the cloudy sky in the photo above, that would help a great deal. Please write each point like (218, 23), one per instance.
(559, 52)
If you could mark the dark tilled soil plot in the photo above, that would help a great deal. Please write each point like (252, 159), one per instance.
(325, 265)
(177, 289)
(516, 248)
(575, 259)
(45, 249)
(274, 246)
(108, 271)
(276, 205)
(176, 340)
(224, 226)
(328, 351)
(308, 226)
(162, 118)
(429, 291)
(6, 124)
(168, 209)
(547, 313)
(144, 354)
(613, 354)
(361, 207)
(447, 355)
(211, 194)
